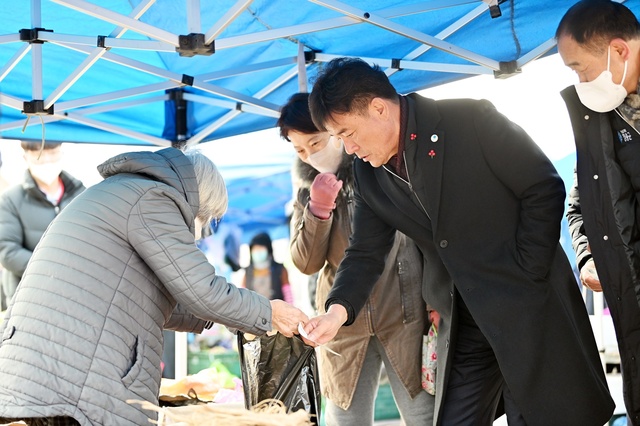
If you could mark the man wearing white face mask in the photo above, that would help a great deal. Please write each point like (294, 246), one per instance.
(28, 208)
(600, 41)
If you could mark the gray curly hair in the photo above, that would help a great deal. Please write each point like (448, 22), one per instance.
(211, 187)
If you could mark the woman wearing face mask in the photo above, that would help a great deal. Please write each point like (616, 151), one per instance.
(389, 329)
(264, 275)
(28, 208)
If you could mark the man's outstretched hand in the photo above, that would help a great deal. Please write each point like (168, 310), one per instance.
(323, 328)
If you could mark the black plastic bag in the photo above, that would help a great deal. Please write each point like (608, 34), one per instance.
(283, 368)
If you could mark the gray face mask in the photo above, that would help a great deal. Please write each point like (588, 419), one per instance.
(328, 159)
(602, 94)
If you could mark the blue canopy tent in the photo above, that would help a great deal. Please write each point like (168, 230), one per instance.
(162, 72)
(182, 72)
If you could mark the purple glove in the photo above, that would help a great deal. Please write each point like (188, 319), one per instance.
(324, 190)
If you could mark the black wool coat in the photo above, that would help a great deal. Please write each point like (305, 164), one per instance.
(484, 205)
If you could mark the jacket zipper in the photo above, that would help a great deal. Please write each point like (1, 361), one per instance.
(408, 182)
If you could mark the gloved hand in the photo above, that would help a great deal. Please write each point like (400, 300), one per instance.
(323, 194)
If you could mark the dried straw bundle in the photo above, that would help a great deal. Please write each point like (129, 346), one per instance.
(269, 412)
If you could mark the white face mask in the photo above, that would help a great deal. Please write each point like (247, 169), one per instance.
(328, 159)
(46, 173)
(198, 231)
(602, 94)
(260, 258)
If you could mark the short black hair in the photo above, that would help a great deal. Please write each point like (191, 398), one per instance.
(594, 23)
(347, 85)
(295, 115)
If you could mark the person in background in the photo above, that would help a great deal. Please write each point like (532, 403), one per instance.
(28, 208)
(600, 41)
(221, 245)
(83, 334)
(264, 275)
(484, 205)
(388, 331)
(3, 298)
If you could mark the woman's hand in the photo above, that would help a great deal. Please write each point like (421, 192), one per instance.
(285, 317)
(323, 193)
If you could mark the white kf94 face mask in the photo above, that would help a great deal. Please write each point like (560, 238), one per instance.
(46, 173)
(602, 94)
(328, 159)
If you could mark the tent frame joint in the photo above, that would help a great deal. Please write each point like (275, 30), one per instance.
(187, 79)
(194, 44)
(309, 56)
(507, 69)
(494, 8)
(395, 64)
(31, 35)
(36, 107)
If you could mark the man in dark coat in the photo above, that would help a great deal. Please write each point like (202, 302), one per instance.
(484, 205)
(600, 40)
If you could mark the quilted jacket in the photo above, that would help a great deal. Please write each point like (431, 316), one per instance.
(84, 332)
(25, 213)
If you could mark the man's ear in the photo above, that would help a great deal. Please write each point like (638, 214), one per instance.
(378, 107)
(620, 47)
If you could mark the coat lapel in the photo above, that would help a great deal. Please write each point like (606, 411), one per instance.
(424, 151)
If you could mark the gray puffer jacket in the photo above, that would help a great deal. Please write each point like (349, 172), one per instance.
(84, 332)
(25, 213)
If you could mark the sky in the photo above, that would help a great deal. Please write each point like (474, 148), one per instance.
(531, 99)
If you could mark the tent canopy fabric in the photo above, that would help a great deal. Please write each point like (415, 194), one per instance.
(163, 72)
(180, 72)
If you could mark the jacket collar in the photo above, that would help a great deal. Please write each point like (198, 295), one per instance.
(424, 152)
(424, 179)
(70, 183)
(169, 166)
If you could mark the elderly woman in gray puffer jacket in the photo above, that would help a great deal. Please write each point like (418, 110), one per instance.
(84, 332)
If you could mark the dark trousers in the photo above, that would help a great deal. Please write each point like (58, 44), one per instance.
(475, 385)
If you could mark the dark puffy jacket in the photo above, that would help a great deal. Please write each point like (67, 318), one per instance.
(25, 213)
(603, 215)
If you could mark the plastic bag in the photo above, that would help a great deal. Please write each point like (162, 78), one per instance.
(282, 368)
